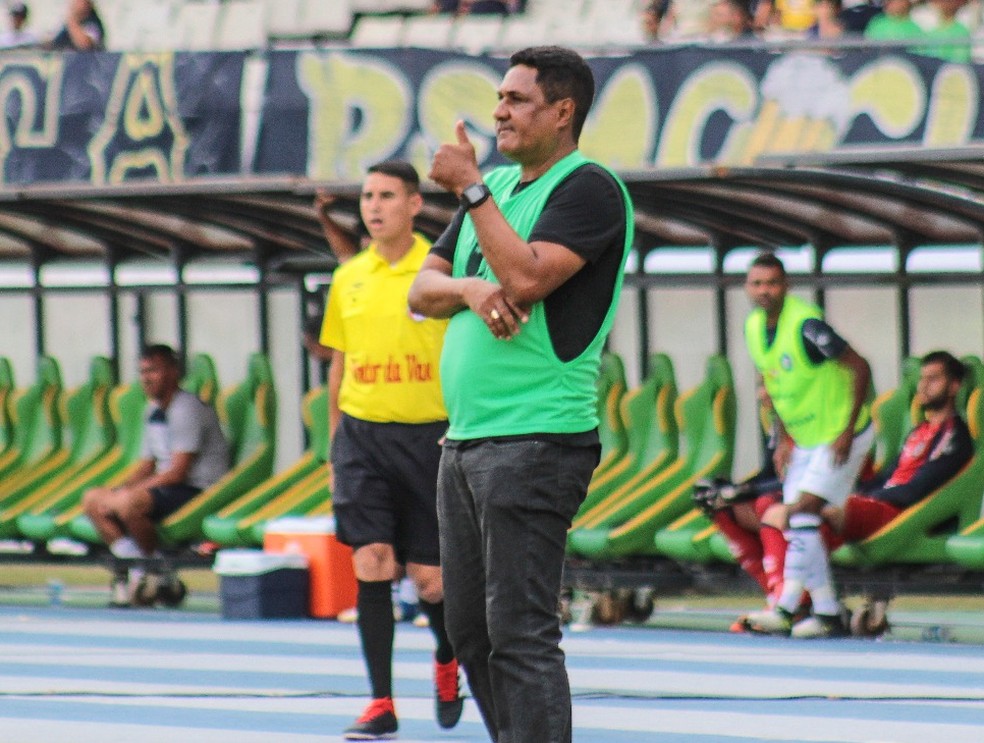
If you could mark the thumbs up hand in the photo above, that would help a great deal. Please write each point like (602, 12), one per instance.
(455, 166)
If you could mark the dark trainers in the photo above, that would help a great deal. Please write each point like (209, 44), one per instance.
(449, 702)
(378, 722)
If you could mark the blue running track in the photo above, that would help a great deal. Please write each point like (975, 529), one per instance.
(81, 675)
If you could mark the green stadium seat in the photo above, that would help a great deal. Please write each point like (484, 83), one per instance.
(37, 429)
(7, 389)
(893, 415)
(87, 425)
(59, 503)
(611, 429)
(706, 417)
(688, 538)
(921, 533)
(646, 413)
(290, 493)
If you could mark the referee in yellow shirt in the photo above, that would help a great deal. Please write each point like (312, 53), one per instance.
(387, 417)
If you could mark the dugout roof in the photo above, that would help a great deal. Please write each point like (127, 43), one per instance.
(899, 198)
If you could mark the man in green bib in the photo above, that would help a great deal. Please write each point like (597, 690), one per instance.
(529, 273)
(819, 387)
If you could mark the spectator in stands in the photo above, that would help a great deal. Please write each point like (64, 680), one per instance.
(652, 19)
(948, 39)
(337, 238)
(387, 418)
(894, 23)
(828, 24)
(484, 7)
(933, 453)
(818, 386)
(687, 19)
(83, 30)
(18, 36)
(729, 21)
(183, 452)
(929, 15)
(529, 272)
(856, 18)
(788, 18)
(472, 7)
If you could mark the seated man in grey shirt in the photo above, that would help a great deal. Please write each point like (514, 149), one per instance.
(183, 452)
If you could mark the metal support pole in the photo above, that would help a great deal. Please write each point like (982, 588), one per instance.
(113, 297)
(263, 300)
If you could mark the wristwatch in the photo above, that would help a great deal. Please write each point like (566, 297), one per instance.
(474, 195)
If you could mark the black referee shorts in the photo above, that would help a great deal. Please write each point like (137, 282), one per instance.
(386, 486)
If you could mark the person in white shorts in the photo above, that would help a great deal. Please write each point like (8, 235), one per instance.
(819, 387)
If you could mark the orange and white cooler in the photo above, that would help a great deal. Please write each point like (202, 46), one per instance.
(333, 588)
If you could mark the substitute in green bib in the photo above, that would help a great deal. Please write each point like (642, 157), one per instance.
(819, 389)
(387, 420)
(529, 273)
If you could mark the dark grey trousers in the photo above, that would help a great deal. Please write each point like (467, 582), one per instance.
(504, 508)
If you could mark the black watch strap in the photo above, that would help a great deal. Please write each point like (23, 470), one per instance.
(474, 195)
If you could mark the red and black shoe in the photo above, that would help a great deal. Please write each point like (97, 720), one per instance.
(378, 722)
(449, 702)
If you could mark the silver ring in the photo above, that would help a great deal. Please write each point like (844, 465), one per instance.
(494, 314)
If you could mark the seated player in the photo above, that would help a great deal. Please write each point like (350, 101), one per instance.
(932, 454)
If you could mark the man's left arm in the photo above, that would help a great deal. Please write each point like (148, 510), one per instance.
(176, 474)
(861, 374)
(822, 342)
(947, 458)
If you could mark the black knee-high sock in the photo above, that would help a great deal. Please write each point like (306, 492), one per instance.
(444, 653)
(376, 628)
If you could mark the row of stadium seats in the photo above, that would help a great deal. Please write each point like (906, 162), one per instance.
(55, 444)
(156, 25)
(656, 445)
(617, 26)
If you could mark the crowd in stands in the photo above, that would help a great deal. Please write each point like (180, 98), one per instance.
(82, 29)
(946, 26)
(943, 28)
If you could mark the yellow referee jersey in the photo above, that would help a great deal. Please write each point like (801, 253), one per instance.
(391, 356)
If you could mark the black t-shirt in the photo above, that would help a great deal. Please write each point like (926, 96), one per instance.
(586, 214)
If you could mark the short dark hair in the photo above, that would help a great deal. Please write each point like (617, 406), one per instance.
(658, 8)
(163, 352)
(561, 73)
(399, 169)
(953, 367)
(768, 260)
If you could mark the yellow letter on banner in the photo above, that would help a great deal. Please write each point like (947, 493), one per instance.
(452, 91)
(25, 131)
(718, 86)
(891, 92)
(142, 129)
(952, 107)
(359, 112)
(622, 124)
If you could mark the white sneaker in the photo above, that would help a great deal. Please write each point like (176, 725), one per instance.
(65, 546)
(125, 549)
(769, 622)
(348, 616)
